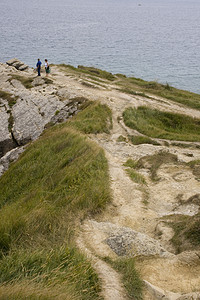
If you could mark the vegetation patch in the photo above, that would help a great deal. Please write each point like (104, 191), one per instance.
(131, 278)
(58, 181)
(186, 232)
(135, 176)
(121, 138)
(137, 140)
(96, 118)
(186, 98)
(62, 268)
(8, 97)
(131, 163)
(154, 162)
(165, 125)
(97, 72)
(89, 70)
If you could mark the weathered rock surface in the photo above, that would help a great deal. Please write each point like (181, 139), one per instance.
(124, 241)
(14, 62)
(31, 113)
(9, 157)
(24, 112)
(160, 294)
(6, 141)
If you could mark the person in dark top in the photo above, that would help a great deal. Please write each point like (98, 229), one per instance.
(38, 66)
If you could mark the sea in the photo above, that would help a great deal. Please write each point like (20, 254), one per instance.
(156, 40)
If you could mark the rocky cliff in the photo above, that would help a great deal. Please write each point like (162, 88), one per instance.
(27, 104)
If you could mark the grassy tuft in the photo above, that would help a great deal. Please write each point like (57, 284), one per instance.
(97, 118)
(135, 176)
(186, 232)
(158, 124)
(130, 277)
(137, 140)
(154, 162)
(121, 138)
(89, 70)
(130, 163)
(8, 97)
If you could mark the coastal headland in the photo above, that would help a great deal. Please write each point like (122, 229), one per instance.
(99, 186)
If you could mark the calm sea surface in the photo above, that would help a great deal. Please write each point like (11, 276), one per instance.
(151, 39)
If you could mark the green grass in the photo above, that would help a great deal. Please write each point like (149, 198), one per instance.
(186, 232)
(137, 140)
(135, 176)
(64, 268)
(164, 125)
(8, 97)
(58, 181)
(89, 70)
(129, 85)
(97, 118)
(130, 277)
(130, 163)
(121, 138)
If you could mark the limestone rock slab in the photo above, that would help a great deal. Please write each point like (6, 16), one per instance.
(6, 141)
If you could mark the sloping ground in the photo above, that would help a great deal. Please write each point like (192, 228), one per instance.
(136, 223)
(148, 213)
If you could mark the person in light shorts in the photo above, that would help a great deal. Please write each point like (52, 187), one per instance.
(47, 68)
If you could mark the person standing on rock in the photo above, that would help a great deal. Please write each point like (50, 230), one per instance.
(39, 66)
(47, 69)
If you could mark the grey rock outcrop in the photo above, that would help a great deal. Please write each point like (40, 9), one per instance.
(14, 62)
(160, 294)
(6, 141)
(71, 107)
(9, 157)
(25, 112)
(31, 113)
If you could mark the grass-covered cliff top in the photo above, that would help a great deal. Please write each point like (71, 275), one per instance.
(58, 181)
(137, 86)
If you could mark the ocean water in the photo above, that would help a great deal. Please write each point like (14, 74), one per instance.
(151, 39)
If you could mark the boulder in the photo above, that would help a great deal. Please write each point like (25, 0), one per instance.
(14, 62)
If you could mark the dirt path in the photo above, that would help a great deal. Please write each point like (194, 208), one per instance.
(131, 219)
